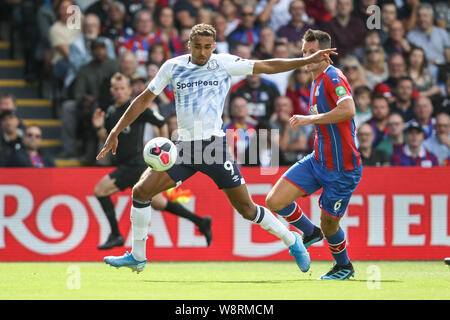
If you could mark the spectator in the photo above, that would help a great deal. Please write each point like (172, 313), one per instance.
(167, 96)
(140, 43)
(266, 46)
(87, 88)
(439, 144)
(280, 79)
(442, 12)
(372, 38)
(320, 11)
(378, 122)
(274, 13)
(45, 18)
(157, 54)
(166, 33)
(80, 49)
(407, 13)
(423, 111)
(248, 31)
(395, 139)
(353, 71)
(220, 24)
(133, 7)
(413, 152)
(61, 37)
(100, 9)
(423, 79)
(347, 32)
(426, 35)
(404, 99)
(396, 41)
(240, 130)
(369, 155)
(204, 15)
(172, 126)
(444, 104)
(397, 70)
(7, 102)
(293, 143)
(186, 11)
(128, 64)
(264, 150)
(259, 94)
(299, 89)
(118, 29)
(375, 66)
(11, 137)
(362, 96)
(293, 31)
(388, 15)
(243, 51)
(30, 155)
(229, 10)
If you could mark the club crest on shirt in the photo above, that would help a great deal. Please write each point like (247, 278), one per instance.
(313, 109)
(212, 64)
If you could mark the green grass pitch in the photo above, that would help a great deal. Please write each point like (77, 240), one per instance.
(223, 281)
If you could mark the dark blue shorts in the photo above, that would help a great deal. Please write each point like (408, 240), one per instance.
(338, 186)
(210, 157)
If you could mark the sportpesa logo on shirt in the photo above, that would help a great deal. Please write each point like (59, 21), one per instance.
(198, 83)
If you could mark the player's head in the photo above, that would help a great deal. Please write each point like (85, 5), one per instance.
(202, 42)
(315, 40)
(120, 89)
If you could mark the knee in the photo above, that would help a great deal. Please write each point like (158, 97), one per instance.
(139, 193)
(98, 191)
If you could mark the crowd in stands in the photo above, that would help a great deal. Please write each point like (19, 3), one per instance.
(398, 72)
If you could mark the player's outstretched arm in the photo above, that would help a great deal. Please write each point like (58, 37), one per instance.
(343, 111)
(137, 106)
(282, 65)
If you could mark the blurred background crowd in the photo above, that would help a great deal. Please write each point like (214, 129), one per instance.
(398, 71)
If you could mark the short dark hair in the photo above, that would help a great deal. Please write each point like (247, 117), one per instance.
(322, 37)
(362, 90)
(405, 78)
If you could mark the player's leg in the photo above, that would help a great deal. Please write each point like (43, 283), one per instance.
(102, 191)
(241, 201)
(334, 202)
(291, 186)
(159, 202)
(149, 185)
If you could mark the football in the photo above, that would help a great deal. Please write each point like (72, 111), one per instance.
(160, 154)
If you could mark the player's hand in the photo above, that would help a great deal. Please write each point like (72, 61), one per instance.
(299, 120)
(322, 55)
(110, 145)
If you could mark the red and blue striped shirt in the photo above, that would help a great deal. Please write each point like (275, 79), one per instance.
(334, 145)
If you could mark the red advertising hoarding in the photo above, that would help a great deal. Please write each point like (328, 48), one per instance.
(52, 215)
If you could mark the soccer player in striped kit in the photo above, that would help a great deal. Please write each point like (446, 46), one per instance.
(201, 81)
(335, 164)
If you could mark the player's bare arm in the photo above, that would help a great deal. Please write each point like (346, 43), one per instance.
(343, 111)
(137, 106)
(271, 66)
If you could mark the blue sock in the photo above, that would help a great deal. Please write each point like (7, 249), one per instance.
(294, 215)
(337, 244)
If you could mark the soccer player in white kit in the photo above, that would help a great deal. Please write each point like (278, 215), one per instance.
(201, 81)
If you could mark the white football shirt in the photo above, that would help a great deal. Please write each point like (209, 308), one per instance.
(200, 91)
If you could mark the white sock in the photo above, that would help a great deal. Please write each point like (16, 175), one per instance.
(140, 219)
(269, 222)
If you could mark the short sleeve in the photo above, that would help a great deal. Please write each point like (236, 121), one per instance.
(337, 88)
(236, 66)
(162, 78)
